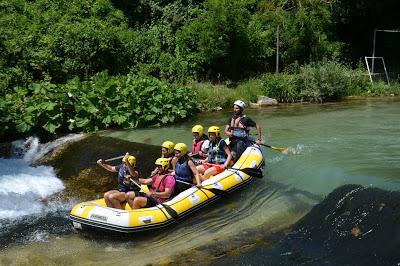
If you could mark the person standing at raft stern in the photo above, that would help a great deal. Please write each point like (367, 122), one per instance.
(162, 187)
(184, 169)
(114, 198)
(200, 145)
(237, 130)
(167, 151)
(219, 155)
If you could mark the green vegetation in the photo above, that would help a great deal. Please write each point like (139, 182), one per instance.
(103, 102)
(87, 65)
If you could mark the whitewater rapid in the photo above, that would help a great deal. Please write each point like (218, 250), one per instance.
(23, 187)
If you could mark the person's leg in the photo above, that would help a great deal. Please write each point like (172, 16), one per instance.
(209, 172)
(130, 197)
(139, 202)
(107, 197)
(240, 148)
(200, 168)
(117, 198)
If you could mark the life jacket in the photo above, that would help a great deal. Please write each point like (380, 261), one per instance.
(158, 185)
(183, 171)
(124, 184)
(238, 129)
(216, 153)
(196, 146)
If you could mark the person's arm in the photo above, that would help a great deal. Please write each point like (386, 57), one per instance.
(146, 181)
(258, 141)
(165, 194)
(195, 172)
(154, 172)
(228, 131)
(229, 156)
(173, 162)
(204, 149)
(131, 170)
(248, 122)
(106, 166)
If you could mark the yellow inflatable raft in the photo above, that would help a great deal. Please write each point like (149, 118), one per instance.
(96, 215)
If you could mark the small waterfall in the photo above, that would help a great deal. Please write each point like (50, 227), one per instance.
(31, 149)
(24, 189)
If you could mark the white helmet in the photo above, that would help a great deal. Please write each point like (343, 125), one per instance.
(240, 103)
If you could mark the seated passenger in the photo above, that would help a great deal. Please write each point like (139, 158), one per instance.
(114, 198)
(167, 151)
(200, 145)
(162, 187)
(184, 169)
(219, 155)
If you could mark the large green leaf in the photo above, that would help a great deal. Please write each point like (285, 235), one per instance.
(23, 127)
(50, 127)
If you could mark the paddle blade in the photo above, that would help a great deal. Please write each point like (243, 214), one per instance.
(217, 191)
(170, 211)
(279, 149)
(251, 171)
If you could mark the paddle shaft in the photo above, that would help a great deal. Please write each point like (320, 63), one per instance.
(167, 208)
(115, 158)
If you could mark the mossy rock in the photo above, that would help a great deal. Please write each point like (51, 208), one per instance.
(75, 163)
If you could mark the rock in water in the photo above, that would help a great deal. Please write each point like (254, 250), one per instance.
(75, 163)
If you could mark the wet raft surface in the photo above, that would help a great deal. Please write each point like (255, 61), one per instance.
(354, 225)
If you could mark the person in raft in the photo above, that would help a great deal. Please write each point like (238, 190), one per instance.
(167, 151)
(115, 197)
(237, 130)
(184, 169)
(200, 145)
(162, 187)
(219, 155)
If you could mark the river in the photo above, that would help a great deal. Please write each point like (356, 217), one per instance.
(331, 144)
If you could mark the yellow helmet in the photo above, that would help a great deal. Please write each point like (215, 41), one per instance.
(198, 129)
(169, 145)
(163, 162)
(181, 147)
(214, 129)
(131, 160)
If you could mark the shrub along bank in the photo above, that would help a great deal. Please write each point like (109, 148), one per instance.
(315, 82)
(129, 101)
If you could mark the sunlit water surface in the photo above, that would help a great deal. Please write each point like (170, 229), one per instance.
(334, 144)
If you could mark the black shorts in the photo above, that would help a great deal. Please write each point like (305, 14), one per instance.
(151, 202)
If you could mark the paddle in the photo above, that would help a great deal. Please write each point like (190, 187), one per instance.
(115, 158)
(280, 149)
(250, 171)
(170, 211)
(216, 191)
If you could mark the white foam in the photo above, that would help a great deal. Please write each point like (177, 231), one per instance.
(31, 149)
(22, 187)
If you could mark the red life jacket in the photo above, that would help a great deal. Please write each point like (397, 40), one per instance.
(159, 186)
(196, 146)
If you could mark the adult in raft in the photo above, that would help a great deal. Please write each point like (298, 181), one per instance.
(115, 197)
(219, 155)
(167, 151)
(238, 129)
(184, 169)
(200, 145)
(162, 187)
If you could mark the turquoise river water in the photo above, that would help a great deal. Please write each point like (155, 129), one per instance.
(351, 142)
